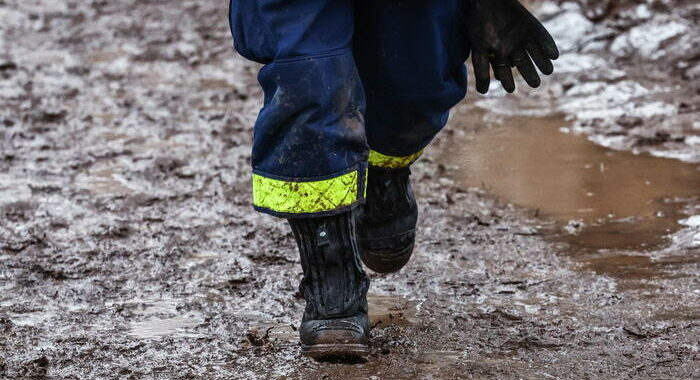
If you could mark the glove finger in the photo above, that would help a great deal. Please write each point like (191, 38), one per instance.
(503, 73)
(482, 71)
(526, 68)
(545, 41)
(543, 63)
(540, 33)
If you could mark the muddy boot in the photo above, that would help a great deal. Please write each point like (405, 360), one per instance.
(335, 323)
(386, 226)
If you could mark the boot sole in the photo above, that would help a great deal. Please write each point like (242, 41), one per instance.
(386, 263)
(335, 350)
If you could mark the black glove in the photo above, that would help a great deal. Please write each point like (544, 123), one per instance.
(504, 34)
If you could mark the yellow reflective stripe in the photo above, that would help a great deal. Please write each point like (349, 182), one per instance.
(392, 162)
(305, 197)
(364, 193)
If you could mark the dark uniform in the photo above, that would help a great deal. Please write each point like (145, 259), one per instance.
(347, 83)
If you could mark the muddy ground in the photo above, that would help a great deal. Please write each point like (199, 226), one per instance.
(128, 247)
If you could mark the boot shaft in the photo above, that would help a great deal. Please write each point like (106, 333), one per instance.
(389, 194)
(334, 284)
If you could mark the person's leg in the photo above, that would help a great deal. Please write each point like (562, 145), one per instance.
(309, 148)
(309, 155)
(410, 55)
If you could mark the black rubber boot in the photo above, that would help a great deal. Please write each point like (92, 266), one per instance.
(335, 323)
(386, 226)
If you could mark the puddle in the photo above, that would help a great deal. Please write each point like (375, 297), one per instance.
(13, 190)
(384, 311)
(276, 331)
(604, 201)
(105, 181)
(425, 364)
(157, 327)
(391, 310)
(161, 327)
(435, 361)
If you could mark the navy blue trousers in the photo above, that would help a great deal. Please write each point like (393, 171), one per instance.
(347, 83)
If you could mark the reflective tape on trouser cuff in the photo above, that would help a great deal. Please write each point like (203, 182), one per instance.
(289, 199)
(392, 162)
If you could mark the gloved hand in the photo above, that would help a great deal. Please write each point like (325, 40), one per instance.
(504, 34)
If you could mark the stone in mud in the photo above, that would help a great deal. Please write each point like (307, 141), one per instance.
(50, 116)
(627, 121)
(35, 369)
(5, 325)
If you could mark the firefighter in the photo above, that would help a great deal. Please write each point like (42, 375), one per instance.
(354, 91)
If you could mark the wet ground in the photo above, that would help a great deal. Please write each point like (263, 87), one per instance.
(128, 248)
(605, 204)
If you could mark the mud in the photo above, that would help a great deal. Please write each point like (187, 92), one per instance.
(128, 247)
